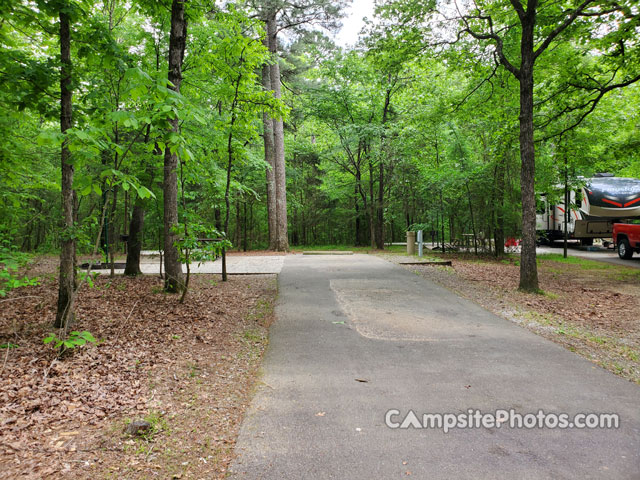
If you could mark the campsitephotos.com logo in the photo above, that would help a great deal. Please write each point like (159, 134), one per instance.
(474, 418)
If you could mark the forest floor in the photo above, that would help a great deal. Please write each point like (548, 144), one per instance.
(189, 370)
(592, 308)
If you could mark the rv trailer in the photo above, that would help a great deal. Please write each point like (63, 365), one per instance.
(603, 201)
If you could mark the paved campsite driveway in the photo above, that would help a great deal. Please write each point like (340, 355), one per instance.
(418, 346)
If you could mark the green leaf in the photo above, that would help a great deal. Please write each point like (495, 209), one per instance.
(88, 337)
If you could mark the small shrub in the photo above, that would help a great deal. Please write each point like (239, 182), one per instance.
(75, 339)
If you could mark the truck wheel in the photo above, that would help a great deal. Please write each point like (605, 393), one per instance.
(624, 249)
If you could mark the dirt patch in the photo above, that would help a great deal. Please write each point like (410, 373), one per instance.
(592, 308)
(187, 369)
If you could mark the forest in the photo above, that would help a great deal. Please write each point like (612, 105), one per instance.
(156, 124)
(151, 148)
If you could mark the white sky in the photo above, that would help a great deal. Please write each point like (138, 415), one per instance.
(352, 24)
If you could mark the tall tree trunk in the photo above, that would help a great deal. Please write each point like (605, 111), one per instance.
(365, 208)
(245, 234)
(227, 191)
(473, 223)
(174, 278)
(380, 208)
(278, 142)
(125, 218)
(134, 242)
(136, 224)
(269, 158)
(237, 235)
(64, 313)
(113, 233)
(381, 163)
(217, 218)
(528, 267)
(372, 217)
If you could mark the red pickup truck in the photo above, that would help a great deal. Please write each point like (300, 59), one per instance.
(627, 239)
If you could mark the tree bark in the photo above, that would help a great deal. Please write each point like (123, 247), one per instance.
(134, 242)
(282, 240)
(218, 218)
(136, 224)
(380, 207)
(174, 277)
(380, 204)
(269, 158)
(64, 314)
(237, 235)
(113, 233)
(245, 239)
(227, 191)
(372, 216)
(528, 266)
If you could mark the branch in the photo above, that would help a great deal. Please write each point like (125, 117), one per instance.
(560, 28)
(517, 6)
(490, 36)
(594, 102)
(475, 89)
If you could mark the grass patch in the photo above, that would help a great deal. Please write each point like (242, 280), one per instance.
(618, 352)
(142, 444)
(583, 263)
(253, 335)
(627, 274)
(614, 272)
(262, 313)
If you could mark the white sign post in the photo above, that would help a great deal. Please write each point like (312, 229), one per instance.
(419, 243)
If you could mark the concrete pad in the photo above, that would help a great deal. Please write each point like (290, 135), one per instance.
(236, 265)
(356, 336)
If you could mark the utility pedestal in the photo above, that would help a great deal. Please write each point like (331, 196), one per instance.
(411, 243)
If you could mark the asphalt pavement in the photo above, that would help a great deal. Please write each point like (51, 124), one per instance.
(356, 337)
